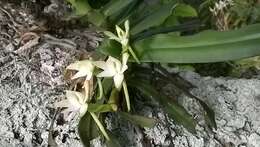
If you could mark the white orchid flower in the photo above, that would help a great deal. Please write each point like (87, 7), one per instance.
(84, 68)
(74, 103)
(122, 36)
(113, 68)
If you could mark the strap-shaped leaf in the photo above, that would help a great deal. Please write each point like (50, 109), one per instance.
(114, 97)
(180, 115)
(209, 114)
(154, 19)
(205, 47)
(166, 29)
(100, 108)
(175, 111)
(107, 84)
(129, 10)
(115, 6)
(113, 142)
(208, 46)
(87, 129)
(138, 120)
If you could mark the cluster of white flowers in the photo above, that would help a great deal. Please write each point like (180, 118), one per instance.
(221, 5)
(77, 102)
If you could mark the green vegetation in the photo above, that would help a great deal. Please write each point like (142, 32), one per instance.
(154, 32)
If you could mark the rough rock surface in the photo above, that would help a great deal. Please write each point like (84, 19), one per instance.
(236, 104)
(32, 81)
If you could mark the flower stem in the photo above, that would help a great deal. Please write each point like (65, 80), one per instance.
(99, 124)
(133, 54)
(126, 96)
(100, 88)
(87, 90)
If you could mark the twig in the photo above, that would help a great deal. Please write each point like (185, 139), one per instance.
(29, 44)
(51, 141)
(10, 17)
(60, 42)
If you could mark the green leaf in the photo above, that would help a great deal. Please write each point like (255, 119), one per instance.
(110, 47)
(170, 21)
(100, 108)
(175, 111)
(115, 6)
(209, 114)
(156, 18)
(163, 30)
(96, 18)
(113, 48)
(180, 115)
(114, 97)
(139, 120)
(182, 85)
(87, 129)
(97, 4)
(81, 7)
(125, 13)
(84, 10)
(100, 125)
(113, 142)
(208, 46)
(107, 84)
(183, 10)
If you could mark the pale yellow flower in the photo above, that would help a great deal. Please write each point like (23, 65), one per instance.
(84, 68)
(122, 36)
(113, 68)
(75, 103)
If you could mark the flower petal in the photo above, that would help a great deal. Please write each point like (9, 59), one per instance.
(89, 76)
(69, 114)
(75, 98)
(79, 74)
(111, 67)
(120, 32)
(79, 65)
(127, 28)
(62, 103)
(66, 113)
(118, 79)
(106, 73)
(84, 68)
(123, 69)
(83, 109)
(114, 65)
(100, 64)
(112, 59)
(111, 36)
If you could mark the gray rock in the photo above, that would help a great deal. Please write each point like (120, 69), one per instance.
(235, 102)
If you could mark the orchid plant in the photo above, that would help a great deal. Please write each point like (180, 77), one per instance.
(79, 101)
(156, 37)
(89, 99)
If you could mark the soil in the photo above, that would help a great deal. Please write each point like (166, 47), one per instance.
(34, 52)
